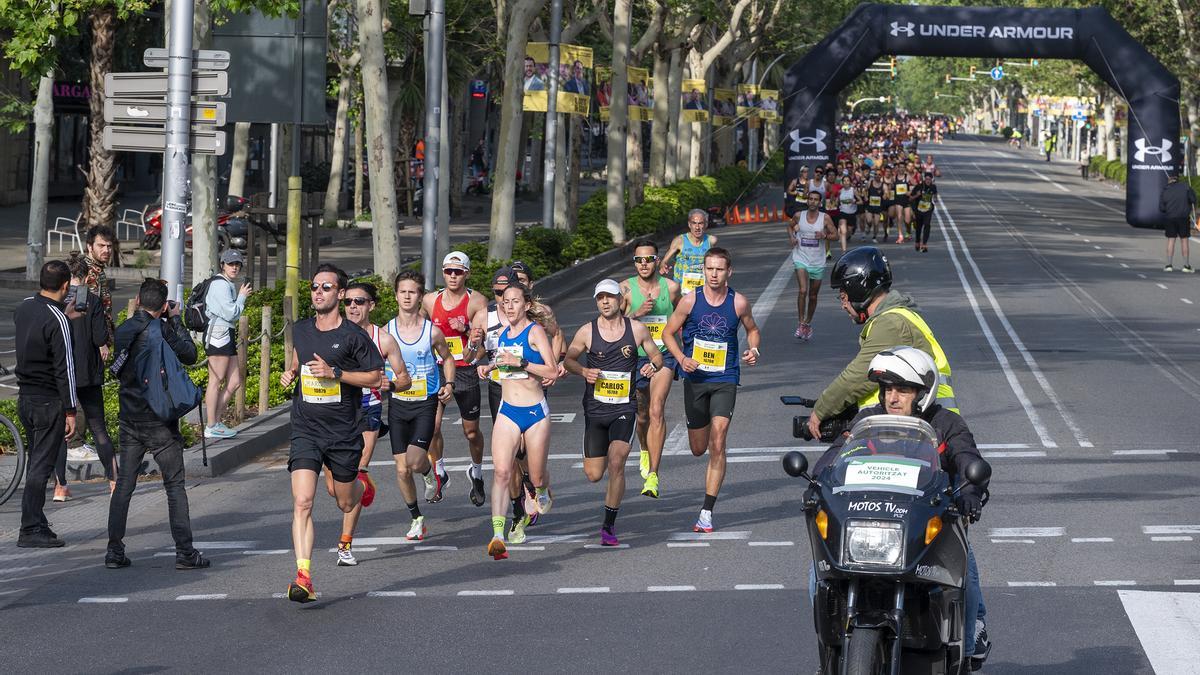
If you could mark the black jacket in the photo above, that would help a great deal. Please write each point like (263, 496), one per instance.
(89, 333)
(130, 340)
(1177, 201)
(45, 363)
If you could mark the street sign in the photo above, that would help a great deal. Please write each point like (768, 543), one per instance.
(202, 59)
(1037, 112)
(154, 139)
(997, 73)
(1079, 116)
(142, 111)
(154, 85)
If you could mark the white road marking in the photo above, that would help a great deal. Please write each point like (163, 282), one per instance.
(1168, 626)
(1108, 255)
(1162, 286)
(1004, 454)
(391, 594)
(1031, 584)
(1174, 537)
(1012, 541)
(1044, 383)
(422, 547)
(585, 589)
(687, 544)
(1171, 529)
(765, 303)
(224, 544)
(527, 548)
(1186, 300)
(758, 587)
(273, 551)
(602, 546)
(771, 543)
(555, 538)
(382, 541)
(1143, 276)
(1115, 582)
(1095, 247)
(743, 459)
(1187, 582)
(1091, 540)
(677, 442)
(1152, 451)
(710, 536)
(101, 600)
(1124, 265)
(485, 593)
(1048, 180)
(1026, 532)
(205, 596)
(1000, 446)
(669, 589)
(357, 549)
(770, 448)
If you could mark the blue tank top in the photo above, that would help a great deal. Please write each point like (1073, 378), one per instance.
(421, 362)
(690, 260)
(508, 342)
(710, 336)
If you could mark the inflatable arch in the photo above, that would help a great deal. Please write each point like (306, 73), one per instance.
(1090, 35)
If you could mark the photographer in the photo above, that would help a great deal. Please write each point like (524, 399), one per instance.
(141, 429)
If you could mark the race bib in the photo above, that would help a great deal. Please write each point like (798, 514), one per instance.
(315, 389)
(875, 200)
(810, 243)
(417, 391)
(901, 189)
(612, 387)
(494, 375)
(692, 281)
(711, 355)
(925, 205)
(512, 372)
(455, 343)
(655, 324)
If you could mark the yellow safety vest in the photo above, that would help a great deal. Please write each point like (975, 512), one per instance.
(945, 390)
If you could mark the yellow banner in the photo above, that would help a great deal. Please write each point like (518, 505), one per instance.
(724, 108)
(768, 105)
(639, 94)
(574, 78)
(695, 107)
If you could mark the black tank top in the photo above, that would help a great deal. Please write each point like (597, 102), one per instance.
(613, 393)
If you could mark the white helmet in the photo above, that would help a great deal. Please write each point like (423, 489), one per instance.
(909, 366)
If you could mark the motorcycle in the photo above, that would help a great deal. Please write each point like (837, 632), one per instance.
(889, 550)
(234, 207)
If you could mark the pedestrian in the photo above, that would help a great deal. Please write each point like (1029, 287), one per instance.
(45, 394)
(223, 303)
(89, 330)
(100, 245)
(1177, 203)
(142, 431)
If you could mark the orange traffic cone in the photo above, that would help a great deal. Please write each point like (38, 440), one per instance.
(774, 215)
(746, 215)
(731, 216)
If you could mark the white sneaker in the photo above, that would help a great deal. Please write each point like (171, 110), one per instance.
(430, 485)
(545, 500)
(346, 557)
(417, 531)
(704, 522)
(84, 453)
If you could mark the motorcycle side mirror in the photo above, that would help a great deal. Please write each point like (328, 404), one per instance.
(978, 473)
(795, 464)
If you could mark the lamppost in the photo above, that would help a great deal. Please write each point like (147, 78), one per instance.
(877, 99)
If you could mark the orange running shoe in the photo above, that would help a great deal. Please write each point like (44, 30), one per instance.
(496, 549)
(301, 590)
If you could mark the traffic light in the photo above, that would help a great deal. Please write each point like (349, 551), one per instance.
(1033, 62)
(947, 78)
(893, 67)
(972, 72)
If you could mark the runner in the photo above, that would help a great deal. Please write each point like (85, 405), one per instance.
(925, 194)
(687, 252)
(901, 210)
(833, 190)
(413, 410)
(891, 211)
(806, 232)
(459, 314)
(523, 349)
(359, 302)
(651, 298)
(709, 321)
(848, 200)
(610, 405)
(875, 206)
(332, 360)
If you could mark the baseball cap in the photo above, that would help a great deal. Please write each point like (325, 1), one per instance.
(231, 255)
(518, 266)
(456, 259)
(505, 273)
(607, 286)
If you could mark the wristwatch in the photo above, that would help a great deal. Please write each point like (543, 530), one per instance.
(337, 373)
(524, 363)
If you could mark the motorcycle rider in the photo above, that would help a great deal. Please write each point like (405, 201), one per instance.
(863, 281)
(907, 379)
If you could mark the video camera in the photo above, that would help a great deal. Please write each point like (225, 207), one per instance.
(830, 428)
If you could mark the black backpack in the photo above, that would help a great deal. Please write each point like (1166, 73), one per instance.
(194, 316)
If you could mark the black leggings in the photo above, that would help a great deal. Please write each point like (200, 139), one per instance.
(924, 218)
(91, 402)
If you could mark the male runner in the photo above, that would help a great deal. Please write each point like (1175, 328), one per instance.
(413, 410)
(687, 251)
(709, 359)
(925, 195)
(359, 302)
(650, 298)
(611, 343)
(459, 314)
(332, 360)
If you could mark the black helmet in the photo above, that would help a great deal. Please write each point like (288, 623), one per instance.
(861, 273)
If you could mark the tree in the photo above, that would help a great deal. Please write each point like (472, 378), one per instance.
(100, 195)
(380, 150)
(346, 57)
(618, 119)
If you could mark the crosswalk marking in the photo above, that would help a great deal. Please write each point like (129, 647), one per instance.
(702, 536)
(206, 596)
(669, 589)
(1168, 626)
(101, 600)
(1026, 532)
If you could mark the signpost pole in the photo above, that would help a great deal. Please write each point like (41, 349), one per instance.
(552, 115)
(176, 158)
(433, 137)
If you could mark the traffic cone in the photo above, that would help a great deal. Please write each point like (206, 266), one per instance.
(731, 216)
(746, 216)
(775, 215)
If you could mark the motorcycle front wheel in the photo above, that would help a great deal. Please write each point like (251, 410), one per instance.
(865, 653)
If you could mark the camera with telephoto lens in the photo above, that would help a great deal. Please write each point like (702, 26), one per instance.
(830, 428)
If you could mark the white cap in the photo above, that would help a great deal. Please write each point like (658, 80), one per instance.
(456, 259)
(607, 286)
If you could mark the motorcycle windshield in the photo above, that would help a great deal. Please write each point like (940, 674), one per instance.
(886, 453)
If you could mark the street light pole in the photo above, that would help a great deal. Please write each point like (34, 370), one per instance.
(548, 176)
(176, 159)
(433, 138)
(878, 99)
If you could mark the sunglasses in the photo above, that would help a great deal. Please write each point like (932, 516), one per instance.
(355, 301)
(639, 259)
(454, 272)
(326, 286)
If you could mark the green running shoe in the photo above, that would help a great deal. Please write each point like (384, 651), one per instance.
(517, 534)
(650, 489)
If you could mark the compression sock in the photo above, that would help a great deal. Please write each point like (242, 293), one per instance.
(518, 504)
(498, 526)
(541, 491)
(414, 510)
(709, 502)
(610, 517)
(302, 565)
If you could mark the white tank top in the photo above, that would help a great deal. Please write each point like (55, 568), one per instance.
(809, 250)
(371, 396)
(846, 201)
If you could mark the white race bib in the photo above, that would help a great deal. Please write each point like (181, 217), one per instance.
(612, 387)
(711, 355)
(512, 372)
(315, 389)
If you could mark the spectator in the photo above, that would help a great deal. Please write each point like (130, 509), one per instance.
(46, 394)
(223, 304)
(100, 242)
(142, 431)
(1177, 203)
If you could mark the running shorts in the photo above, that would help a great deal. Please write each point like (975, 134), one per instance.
(411, 423)
(598, 434)
(466, 392)
(703, 401)
(341, 460)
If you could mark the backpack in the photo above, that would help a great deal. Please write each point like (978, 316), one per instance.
(166, 386)
(195, 318)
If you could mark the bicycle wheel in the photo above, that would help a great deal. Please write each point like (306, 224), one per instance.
(12, 459)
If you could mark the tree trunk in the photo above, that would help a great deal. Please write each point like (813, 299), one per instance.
(43, 136)
(458, 138)
(359, 184)
(241, 153)
(578, 137)
(508, 145)
(333, 190)
(1193, 117)
(636, 176)
(566, 138)
(659, 128)
(618, 120)
(674, 102)
(204, 174)
(1110, 119)
(380, 151)
(537, 152)
(100, 195)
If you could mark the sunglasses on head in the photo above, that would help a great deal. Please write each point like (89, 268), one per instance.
(644, 258)
(454, 272)
(324, 286)
(355, 301)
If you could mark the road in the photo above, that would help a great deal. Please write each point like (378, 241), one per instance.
(1073, 361)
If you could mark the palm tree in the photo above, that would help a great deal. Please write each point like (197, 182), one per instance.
(100, 196)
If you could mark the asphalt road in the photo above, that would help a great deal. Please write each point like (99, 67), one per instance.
(1074, 366)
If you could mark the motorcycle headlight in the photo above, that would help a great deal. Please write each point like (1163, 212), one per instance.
(875, 542)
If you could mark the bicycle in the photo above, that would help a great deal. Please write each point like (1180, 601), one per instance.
(12, 459)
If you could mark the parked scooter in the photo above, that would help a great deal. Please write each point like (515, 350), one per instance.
(151, 238)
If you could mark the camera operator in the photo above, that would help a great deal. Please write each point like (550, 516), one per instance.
(46, 398)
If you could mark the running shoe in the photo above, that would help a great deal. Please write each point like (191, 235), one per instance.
(874, 240)
(1168, 268)
(430, 485)
(900, 240)
(368, 494)
(345, 556)
(644, 463)
(442, 480)
(417, 531)
(650, 489)
(516, 535)
(799, 332)
(219, 430)
(301, 590)
(704, 522)
(983, 646)
(808, 332)
(924, 248)
(608, 537)
(545, 500)
(496, 549)
(1187, 269)
(478, 495)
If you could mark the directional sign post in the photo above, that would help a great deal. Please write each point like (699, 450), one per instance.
(202, 59)
(154, 139)
(154, 85)
(139, 111)
(997, 73)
